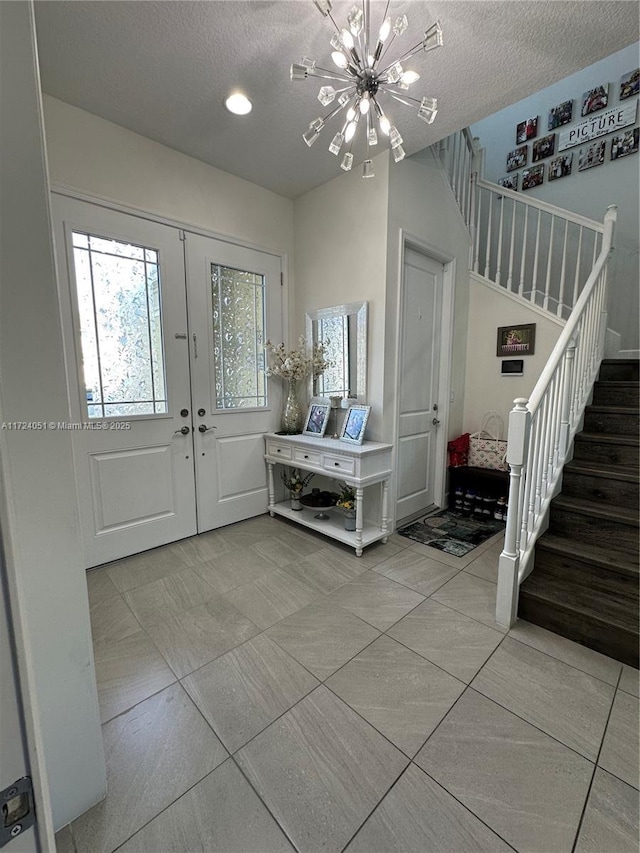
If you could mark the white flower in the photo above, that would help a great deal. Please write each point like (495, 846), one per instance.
(297, 363)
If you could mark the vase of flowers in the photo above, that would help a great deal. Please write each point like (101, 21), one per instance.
(293, 366)
(347, 503)
(295, 482)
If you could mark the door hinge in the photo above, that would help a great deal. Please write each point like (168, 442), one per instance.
(17, 812)
(281, 279)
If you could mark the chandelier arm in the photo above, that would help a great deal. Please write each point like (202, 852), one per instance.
(329, 77)
(334, 112)
(411, 52)
(387, 46)
(329, 15)
(404, 99)
(366, 11)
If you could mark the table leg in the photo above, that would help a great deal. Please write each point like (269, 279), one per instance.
(272, 494)
(359, 521)
(384, 526)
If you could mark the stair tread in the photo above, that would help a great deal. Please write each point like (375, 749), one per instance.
(602, 607)
(617, 383)
(612, 410)
(617, 561)
(605, 511)
(608, 438)
(612, 472)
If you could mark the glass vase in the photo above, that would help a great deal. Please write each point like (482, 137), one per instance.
(292, 413)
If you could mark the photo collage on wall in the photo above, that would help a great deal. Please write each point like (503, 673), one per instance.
(550, 149)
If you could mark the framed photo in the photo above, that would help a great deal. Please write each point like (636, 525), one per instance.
(516, 340)
(591, 156)
(626, 143)
(355, 424)
(595, 99)
(560, 167)
(533, 177)
(526, 130)
(517, 158)
(510, 182)
(560, 115)
(630, 84)
(544, 147)
(317, 417)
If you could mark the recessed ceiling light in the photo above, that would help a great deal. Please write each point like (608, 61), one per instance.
(238, 104)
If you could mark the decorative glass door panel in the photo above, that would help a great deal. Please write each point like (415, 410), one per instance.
(238, 305)
(119, 307)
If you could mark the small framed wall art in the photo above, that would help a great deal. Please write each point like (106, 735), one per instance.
(591, 156)
(517, 158)
(317, 417)
(595, 99)
(630, 84)
(526, 130)
(355, 424)
(516, 340)
(544, 147)
(510, 182)
(533, 177)
(560, 115)
(626, 143)
(560, 167)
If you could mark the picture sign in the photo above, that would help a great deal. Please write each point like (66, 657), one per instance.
(599, 125)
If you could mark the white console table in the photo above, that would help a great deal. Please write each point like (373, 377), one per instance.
(358, 465)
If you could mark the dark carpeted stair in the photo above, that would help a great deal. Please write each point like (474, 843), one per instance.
(584, 584)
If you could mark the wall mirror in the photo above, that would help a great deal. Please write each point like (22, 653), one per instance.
(343, 331)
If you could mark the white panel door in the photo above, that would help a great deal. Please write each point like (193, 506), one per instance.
(126, 345)
(418, 382)
(235, 305)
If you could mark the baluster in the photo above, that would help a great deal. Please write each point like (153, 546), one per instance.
(533, 470)
(536, 252)
(576, 280)
(524, 250)
(541, 473)
(459, 171)
(564, 268)
(454, 167)
(476, 262)
(512, 245)
(547, 285)
(509, 563)
(488, 255)
(500, 228)
(567, 387)
(554, 424)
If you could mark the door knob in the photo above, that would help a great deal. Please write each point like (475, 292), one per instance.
(201, 413)
(183, 431)
(435, 422)
(184, 412)
(205, 428)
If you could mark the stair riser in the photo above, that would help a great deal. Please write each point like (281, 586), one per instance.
(592, 530)
(608, 454)
(629, 395)
(614, 642)
(600, 489)
(621, 371)
(597, 579)
(610, 423)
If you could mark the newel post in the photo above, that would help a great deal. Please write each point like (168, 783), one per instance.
(509, 564)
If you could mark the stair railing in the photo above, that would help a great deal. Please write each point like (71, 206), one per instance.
(536, 250)
(541, 429)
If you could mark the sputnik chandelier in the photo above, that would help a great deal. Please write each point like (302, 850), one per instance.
(365, 77)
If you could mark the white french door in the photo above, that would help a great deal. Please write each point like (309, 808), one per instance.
(234, 298)
(419, 362)
(159, 453)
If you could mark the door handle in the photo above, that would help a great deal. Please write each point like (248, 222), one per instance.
(435, 422)
(204, 428)
(183, 431)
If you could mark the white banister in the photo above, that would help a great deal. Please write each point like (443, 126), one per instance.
(541, 429)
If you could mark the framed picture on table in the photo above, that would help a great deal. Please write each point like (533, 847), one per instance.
(316, 420)
(355, 424)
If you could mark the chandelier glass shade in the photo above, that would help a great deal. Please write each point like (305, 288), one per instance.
(366, 80)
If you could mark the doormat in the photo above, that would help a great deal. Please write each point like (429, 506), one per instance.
(451, 532)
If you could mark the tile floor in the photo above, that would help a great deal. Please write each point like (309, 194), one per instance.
(262, 689)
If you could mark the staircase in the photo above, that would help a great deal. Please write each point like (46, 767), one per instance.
(584, 585)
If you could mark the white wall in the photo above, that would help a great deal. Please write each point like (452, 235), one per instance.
(96, 157)
(486, 389)
(38, 513)
(341, 256)
(422, 205)
(589, 192)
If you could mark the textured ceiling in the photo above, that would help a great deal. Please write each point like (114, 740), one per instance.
(162, 69)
